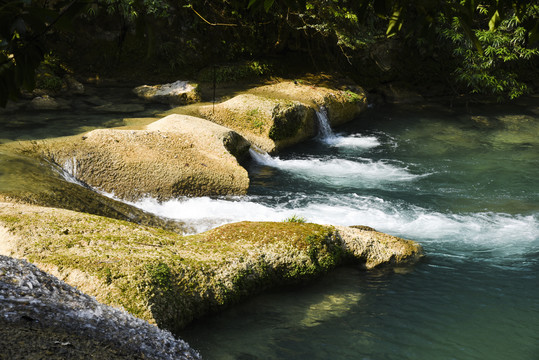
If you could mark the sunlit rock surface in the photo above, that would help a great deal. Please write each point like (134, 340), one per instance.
(174, 157)
(270, 124)
(276, 116)
(170, 279)
(46, 310)
(176, 93)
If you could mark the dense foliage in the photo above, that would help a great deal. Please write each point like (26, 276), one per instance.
(487, 47)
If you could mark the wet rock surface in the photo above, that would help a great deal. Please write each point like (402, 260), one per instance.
(42, 317)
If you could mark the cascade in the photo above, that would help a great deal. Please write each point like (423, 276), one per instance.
(324, 128)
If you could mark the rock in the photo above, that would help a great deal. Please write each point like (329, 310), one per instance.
(74, 87)
(270, 124)
(48, 185)
(193, 160)
(276, 116)
(343, 103)
(398, 94)
(40, 313)
(170, 279)
(47, 102)
(206, 133)
(119, 108)
(176, 93)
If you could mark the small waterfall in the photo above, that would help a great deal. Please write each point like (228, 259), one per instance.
(324, 128)
(328, 137)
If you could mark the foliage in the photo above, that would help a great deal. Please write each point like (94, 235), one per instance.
(295, 219)
(489, 40)
(49, 73)
(495, 69)
(234, 72)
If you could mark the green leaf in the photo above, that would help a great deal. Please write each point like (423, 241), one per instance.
(395, 22)
(268, 4)
(494, 21)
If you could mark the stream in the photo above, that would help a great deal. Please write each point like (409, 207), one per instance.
(462, 185)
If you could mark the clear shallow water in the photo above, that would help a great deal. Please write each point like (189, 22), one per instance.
(465, 188)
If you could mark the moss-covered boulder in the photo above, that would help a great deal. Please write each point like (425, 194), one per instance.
(26, 179)
(176, 93)
(268, 123)
(279, 115)
(170, 279)
(343, 102)
(194, 159)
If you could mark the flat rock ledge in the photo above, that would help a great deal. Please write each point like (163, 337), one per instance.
(170, 280)
(277, 116)
(176, 93)
(41, 316)
(176, 156)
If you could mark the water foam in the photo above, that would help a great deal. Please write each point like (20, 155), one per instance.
(328, 137)
(490, 232)
(337, 171)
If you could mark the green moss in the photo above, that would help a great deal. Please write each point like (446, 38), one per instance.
(352, 96)
(160, 275)
(286, 122)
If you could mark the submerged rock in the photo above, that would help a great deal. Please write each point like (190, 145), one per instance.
(119, 108)
(170, 279)
(47, 102)
(176, 93)
(37, 310)
(174, 157)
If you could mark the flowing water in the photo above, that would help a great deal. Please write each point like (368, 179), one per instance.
(463, 186)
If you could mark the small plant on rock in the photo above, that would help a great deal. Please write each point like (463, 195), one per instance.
(295, 219)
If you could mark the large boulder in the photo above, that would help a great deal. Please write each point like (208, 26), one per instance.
(133, 164)
(30, 180)
(176, 93)
(41, 315)
(170, 279)
(343, 103)
(276, 116)
(270, 124)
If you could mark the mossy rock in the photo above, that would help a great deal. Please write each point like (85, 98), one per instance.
(161, 162)
(34, 181)
(343, 102)
(170, 279)
(270, 124)
(176, 93)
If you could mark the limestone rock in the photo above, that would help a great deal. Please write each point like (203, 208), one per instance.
(170, 279)
(176, 93)
(47, 102)
(377, 248)
(38, 310)
(270, 124)
(343, 104)
(132, 164)
(206, 133)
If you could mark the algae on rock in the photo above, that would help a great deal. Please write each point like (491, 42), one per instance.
(170, 279)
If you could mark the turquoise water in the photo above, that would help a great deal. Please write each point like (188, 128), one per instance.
(463, 185)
